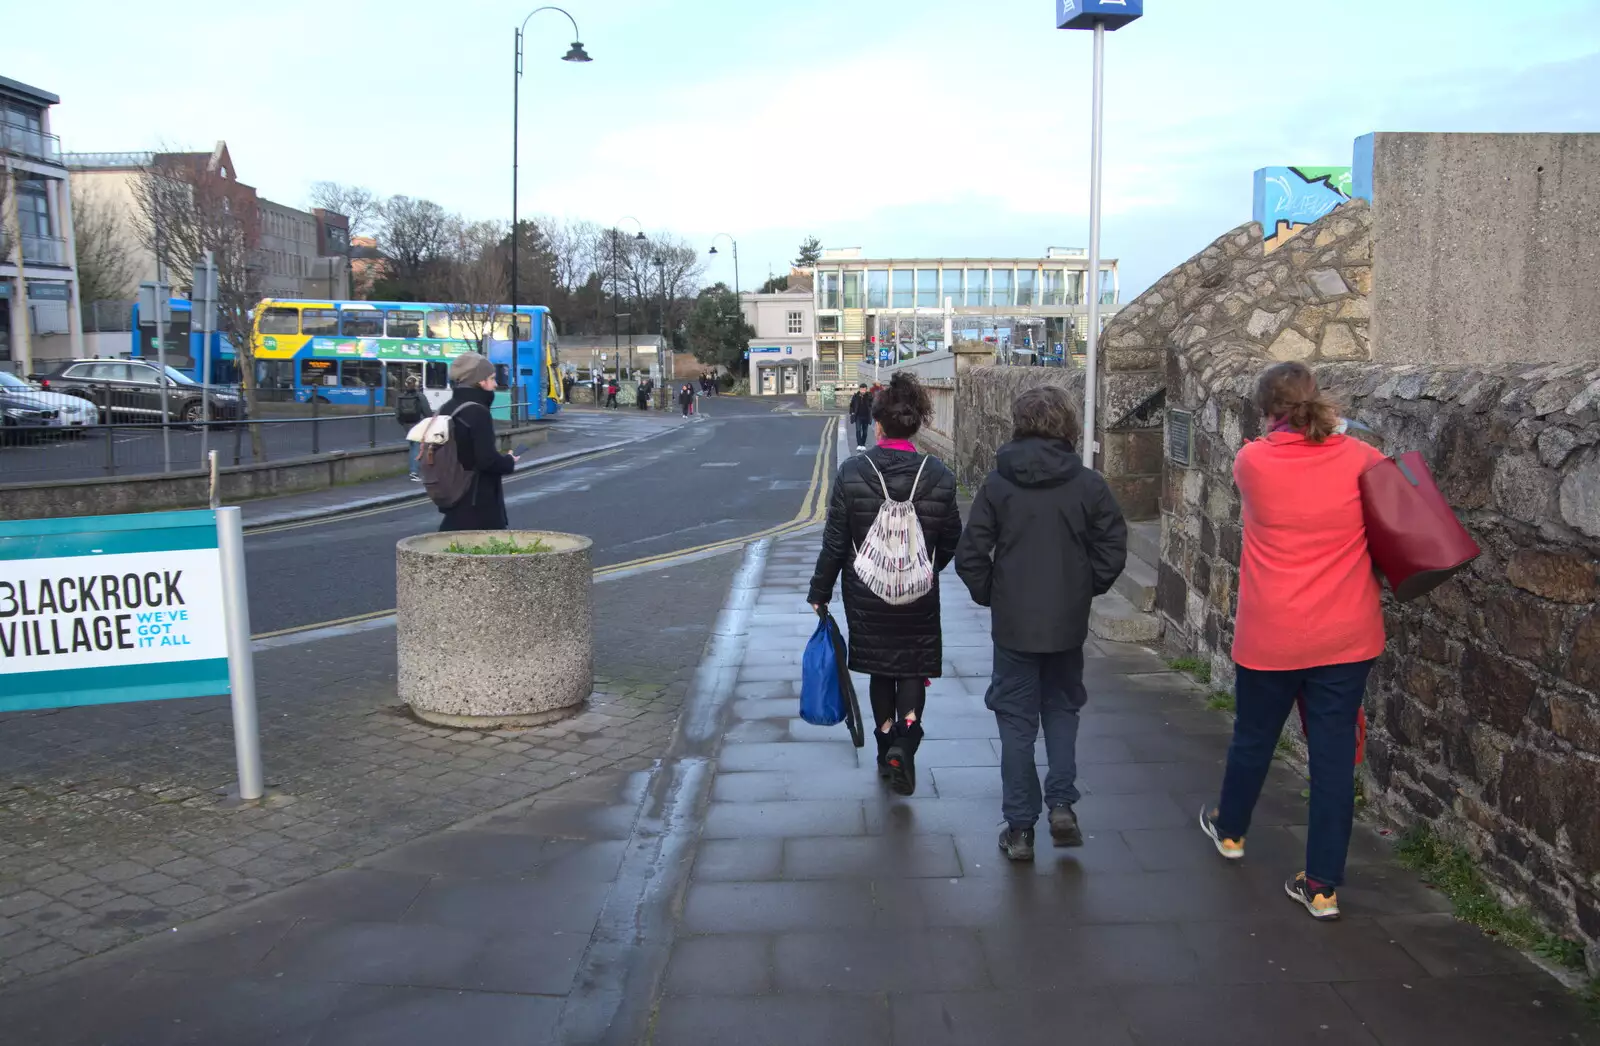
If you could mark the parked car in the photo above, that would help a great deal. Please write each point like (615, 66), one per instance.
(132, 390)
(22, 406)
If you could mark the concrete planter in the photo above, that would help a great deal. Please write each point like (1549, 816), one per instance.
(494, 641)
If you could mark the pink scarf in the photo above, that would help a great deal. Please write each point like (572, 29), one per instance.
(897, 444)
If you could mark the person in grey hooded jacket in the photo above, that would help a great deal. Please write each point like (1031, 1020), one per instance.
(1045, 536)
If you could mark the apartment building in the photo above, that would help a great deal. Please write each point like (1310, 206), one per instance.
(1029, 307)
(38, 269)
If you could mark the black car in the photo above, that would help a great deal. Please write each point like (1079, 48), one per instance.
(132, 390)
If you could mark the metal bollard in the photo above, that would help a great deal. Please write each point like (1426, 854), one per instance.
(110, 432)
(316, 426)
(372, 416)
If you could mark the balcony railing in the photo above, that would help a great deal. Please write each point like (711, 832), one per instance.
(36, 250)
(25, 141)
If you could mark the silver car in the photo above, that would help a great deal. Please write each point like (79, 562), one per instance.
(25, 406)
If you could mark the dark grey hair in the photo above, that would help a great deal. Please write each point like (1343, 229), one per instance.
(1045, 411)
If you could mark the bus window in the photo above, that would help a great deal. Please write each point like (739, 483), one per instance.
(275, 374)
(403, 324)
(436, 376)
(361, 374)
(319, 372)
(524, 328)
(319, 321)
(438, 325)
(280, 321)
(502, 375)
(361, 323)
(395, 376)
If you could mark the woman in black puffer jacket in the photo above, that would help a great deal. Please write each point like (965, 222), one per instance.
(900, 647)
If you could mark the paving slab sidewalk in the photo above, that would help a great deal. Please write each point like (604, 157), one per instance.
(809, 906)
(822, 909)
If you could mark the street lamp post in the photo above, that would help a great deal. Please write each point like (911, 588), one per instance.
(1099, 16)
(575, 53)
(616, 288)
(738, 312)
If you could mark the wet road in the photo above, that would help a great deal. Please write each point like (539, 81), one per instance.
(740, 472)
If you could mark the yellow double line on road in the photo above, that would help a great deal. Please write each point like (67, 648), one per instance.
(813, 510)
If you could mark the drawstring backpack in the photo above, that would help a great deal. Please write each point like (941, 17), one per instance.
(893, 560)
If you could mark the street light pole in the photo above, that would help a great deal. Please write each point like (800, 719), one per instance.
(738, 312)
(575, 53)
(1099, 16)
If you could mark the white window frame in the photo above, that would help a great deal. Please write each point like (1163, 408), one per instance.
(796, 323)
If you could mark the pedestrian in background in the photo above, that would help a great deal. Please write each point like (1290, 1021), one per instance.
(473, 385)
(1309, 623)
(860, 414)
(1044, 538)
(411, 408)
(900, 646)
(611, 393)
(686, 399)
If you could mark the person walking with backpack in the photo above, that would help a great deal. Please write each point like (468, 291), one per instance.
(892, 527)
(463, 472)
(1045, 537)
(410, 408)
(1309, 623)
(860, 414)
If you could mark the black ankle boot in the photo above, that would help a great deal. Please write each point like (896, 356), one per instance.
(884, 741)
(901, 757)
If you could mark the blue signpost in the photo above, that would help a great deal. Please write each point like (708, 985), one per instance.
(1099, 16)
(147, 607)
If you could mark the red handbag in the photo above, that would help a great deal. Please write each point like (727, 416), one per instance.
(1414, 537)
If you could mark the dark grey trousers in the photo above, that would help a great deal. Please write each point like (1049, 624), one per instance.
(1024, 690)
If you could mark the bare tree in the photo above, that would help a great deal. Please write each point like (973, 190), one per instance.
(478, 279)
(187, 206)
(106, 268)
(415, 238)
(353, 201)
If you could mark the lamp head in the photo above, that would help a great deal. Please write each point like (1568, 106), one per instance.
(576, 53)
(713, 249)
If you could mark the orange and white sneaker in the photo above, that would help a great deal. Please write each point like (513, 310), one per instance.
(1322, 904)
(1232, 849)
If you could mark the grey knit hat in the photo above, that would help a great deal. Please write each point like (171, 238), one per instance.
(469, 368)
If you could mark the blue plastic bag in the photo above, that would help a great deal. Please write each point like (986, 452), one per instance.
(822, 701)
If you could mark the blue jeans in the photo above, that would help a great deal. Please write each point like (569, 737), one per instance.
(416, 457)
(1264, 701)
(1025, 689)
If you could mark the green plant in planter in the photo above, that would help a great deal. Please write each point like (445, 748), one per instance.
(499, 547)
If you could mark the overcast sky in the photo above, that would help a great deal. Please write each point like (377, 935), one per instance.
(905, 127)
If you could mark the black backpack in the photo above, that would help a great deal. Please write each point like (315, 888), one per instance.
(408, 411)
(444, 477)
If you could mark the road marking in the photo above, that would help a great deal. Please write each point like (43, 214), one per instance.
(515, 477)
(813, 510)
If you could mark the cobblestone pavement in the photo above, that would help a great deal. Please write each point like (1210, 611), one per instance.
(110, 822)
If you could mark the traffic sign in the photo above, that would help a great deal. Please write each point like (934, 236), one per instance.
(1083, 14)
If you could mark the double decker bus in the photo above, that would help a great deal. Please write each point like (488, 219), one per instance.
(363, 352)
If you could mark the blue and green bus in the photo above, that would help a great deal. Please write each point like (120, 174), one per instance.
(365, 351)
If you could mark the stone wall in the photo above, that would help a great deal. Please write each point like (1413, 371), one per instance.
(1132, 367)
(983, 398)
(1485, 710)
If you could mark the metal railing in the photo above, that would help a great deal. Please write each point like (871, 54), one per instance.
(25, 141)
(37, 450)
(101, 317)
(36, 250)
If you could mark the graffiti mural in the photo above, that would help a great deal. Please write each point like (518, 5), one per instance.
(1289, 198)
